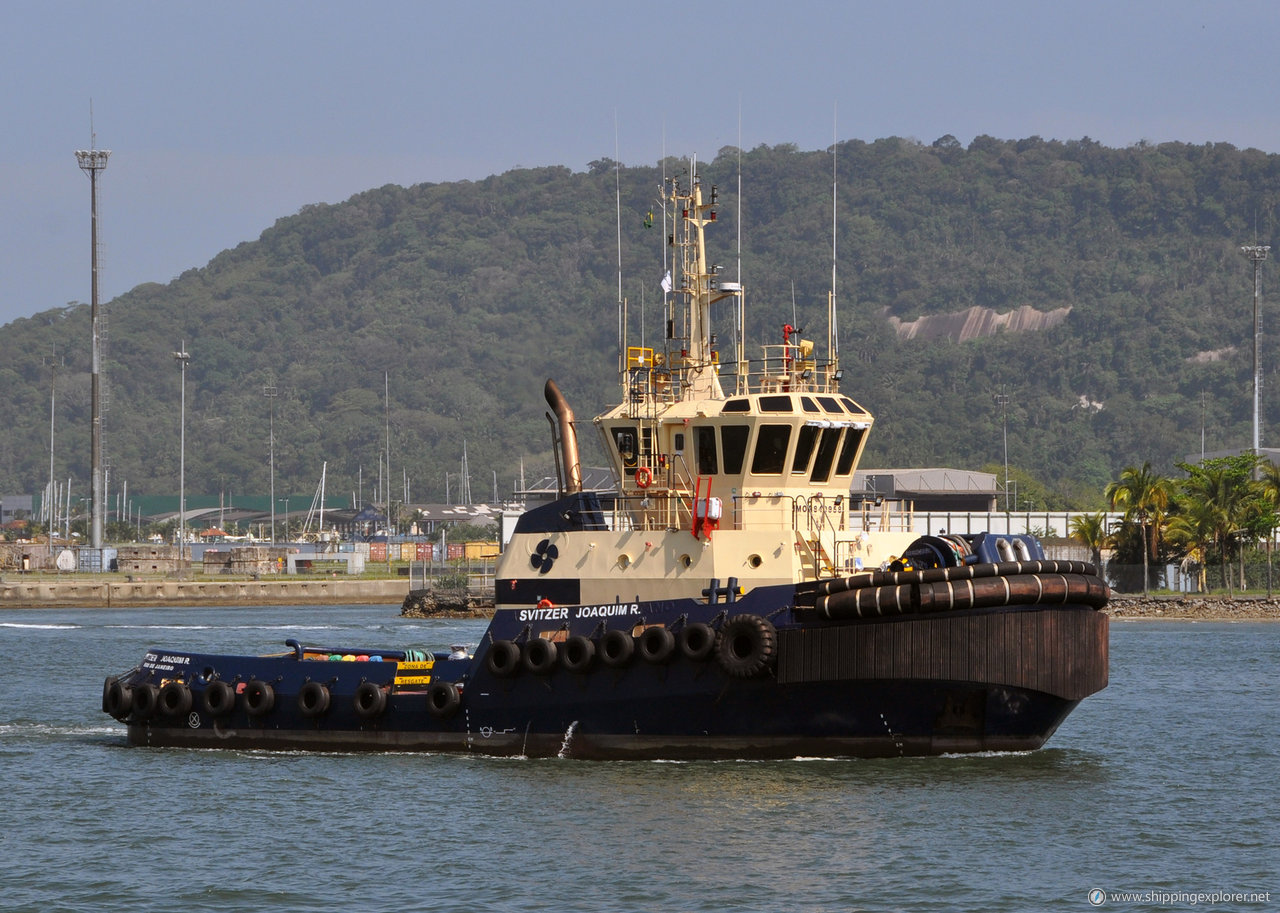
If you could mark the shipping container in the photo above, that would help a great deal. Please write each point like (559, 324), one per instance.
(481, 551)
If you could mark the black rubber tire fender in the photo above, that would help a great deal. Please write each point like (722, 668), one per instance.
(656, 645)
(502, 659)
(697, 641)
(616, 648)
(313, 700)
(145, 698)
(443, 700)
(117, 699)
(219, 698)
(174, 699)
(259, 697)
(370, 700)
(746, 646)
(539, 656)
(577, 653)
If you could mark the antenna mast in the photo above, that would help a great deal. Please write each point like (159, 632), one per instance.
(92, 161)
(833, 338)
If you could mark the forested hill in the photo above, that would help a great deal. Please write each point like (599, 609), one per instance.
(468, 295)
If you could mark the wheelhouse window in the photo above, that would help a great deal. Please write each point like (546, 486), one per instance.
(733, 442)
(849, 452)
(775, 404)
(737, 405)
(826, 454)
(705, 441)
(808, 404)
(831, 404)
(804, 449)
(771, 450)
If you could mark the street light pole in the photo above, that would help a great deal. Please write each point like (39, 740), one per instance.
(182, 358)
(1002, 400)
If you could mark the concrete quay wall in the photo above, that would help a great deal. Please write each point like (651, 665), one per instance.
(105, 594)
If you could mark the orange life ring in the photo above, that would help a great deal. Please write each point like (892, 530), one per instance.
(545, 603)
(644, 478)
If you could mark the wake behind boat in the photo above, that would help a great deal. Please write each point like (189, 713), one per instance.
(729, 604)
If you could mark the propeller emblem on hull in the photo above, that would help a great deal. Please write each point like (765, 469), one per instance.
(544, 556)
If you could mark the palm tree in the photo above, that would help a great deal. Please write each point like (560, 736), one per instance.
(1090, 530)
(1269, 487)
(1144, 498)
(1194, 531)
(1224, 489)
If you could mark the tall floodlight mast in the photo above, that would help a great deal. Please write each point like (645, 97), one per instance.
(1256, 254)
(181, 357)
(92, 161)
(270, 392)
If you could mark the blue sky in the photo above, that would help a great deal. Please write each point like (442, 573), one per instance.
(224, 117)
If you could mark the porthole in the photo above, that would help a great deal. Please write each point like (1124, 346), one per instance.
(624, 561)
(755, 561)
(685, 561)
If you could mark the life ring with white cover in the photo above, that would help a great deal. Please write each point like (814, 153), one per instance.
(644, 478)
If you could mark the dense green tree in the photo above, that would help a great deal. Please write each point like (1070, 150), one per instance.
(1144, 497)
(469, 294)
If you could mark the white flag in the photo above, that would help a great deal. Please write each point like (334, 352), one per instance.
(666, 282)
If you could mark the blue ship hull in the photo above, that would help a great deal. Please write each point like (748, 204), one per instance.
(762, 676)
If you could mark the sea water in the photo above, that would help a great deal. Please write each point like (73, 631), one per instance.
(1160, 792)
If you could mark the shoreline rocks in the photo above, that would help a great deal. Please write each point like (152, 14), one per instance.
(1198, 607)
(444, 604)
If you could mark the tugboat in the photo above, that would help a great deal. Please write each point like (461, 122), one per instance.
(731, 602)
